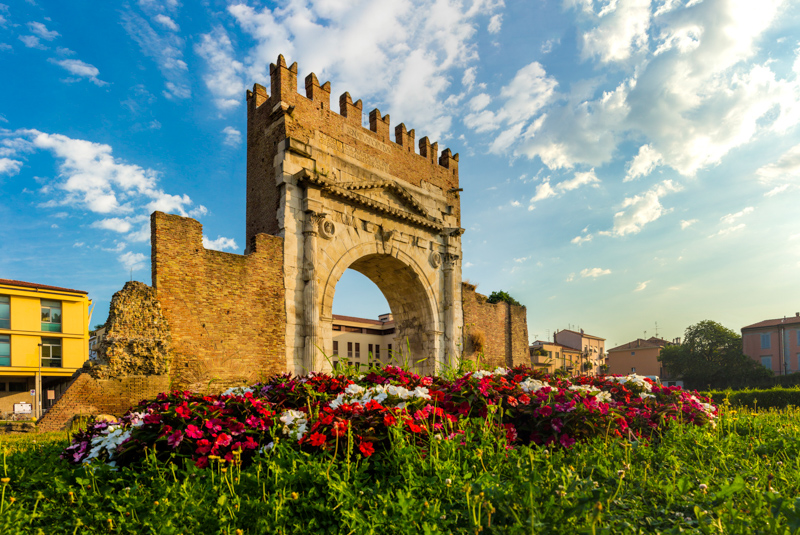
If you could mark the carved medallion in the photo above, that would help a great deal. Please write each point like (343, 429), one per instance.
(435, 259)
(327, 229)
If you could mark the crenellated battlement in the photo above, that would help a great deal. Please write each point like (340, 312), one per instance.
(284, 95)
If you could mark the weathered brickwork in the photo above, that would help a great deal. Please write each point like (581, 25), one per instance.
(500, 327)
(283, 114)
(225, 311)
(87, 396)
(137, 339)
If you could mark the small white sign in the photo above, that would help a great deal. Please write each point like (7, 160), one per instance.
(23, 408)
(33, 392)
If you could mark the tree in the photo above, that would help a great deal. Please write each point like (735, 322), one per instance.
(711, 355)
(496, 297)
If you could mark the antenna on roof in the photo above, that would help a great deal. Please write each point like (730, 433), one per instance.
(656, 329)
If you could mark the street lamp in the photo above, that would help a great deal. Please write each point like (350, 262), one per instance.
(38, 386)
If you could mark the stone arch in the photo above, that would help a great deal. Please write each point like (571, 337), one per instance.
(411, 297)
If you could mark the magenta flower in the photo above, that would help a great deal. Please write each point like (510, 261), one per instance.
(175, 438)
(192, 431)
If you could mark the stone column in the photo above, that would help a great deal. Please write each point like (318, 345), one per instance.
(449, 262)
(310, 297)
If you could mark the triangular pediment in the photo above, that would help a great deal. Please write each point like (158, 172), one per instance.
(383, 196)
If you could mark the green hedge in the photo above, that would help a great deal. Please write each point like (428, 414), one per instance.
(773, 398)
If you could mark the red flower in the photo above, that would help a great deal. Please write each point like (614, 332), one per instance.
(389, 420)
(183, 410)
(339, 428)
(366, 448)
(202, 462)
(317, 439)
(512, 401)
(223, 440)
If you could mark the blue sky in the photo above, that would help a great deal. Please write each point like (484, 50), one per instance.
(624, 162)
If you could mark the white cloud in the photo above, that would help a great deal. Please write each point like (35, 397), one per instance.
(545, 190)
(166, 22)
(232, 136)
(495, 23)
(641, 286)
(728, 230)
(786, 168)
(479, 101)
(468, 264)
(401, 56)
(730, 218)
(80, 68)
(224, 75)
(570, 277)
(32, 41)
(640, 210)
(41, 30)
(621, 31)
(776, 190)
(643, 163)
(220, 244)
(686, 223)
(580, 240)
(113, 223)
(165, 48)
(133, 261)
(594, 272)
(9, 167)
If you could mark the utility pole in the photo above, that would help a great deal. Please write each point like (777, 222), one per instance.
(38, 397)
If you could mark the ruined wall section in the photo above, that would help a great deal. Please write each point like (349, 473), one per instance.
(309, 120)
(226, 311)
(137, 339)
(495, 334)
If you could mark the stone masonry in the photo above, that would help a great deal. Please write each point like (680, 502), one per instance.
(502, 327)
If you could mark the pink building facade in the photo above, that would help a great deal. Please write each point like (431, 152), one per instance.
(592, 347)
(775, 344)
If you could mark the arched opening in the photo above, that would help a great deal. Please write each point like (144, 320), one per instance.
(413, 334)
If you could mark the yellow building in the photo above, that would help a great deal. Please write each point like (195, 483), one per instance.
(363, 342)
(44, 332)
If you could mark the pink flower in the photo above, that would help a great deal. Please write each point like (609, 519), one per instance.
(192, 431)
(202, 462)
(566, 440)
(544, 411)
(426, 381)
(183, 410)
(175, 438)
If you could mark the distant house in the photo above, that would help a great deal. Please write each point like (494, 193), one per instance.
(639, 356)
(551, 356)
(362, 341)
(774, 343)
(591, 347)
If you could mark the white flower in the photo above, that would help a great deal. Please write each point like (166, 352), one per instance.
(645, 395)
(237, 391)
(532, 385)
(603, 397)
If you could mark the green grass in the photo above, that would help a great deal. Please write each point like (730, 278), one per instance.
(742, 477)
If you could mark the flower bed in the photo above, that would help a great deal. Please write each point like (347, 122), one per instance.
(328, 414)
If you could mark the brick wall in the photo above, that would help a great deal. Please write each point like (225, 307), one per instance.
(280, 112)
(226, 311)
(503, 328)
(87, 396)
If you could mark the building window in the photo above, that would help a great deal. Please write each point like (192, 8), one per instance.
(51, 352)
(765, 341)
(378, 351)
(17, 387)
(390, 350)
(349, 350)
(358, 350)
(766, 362)
(5, 350)
(797, 331)
(51, 316)
(633, 352)
(337, 327)
(5, 312)
(2, 387)
(349, 329)
(370, 354)
(633, 369)
(335, 348)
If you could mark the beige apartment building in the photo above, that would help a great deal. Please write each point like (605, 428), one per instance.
(639, 356)
(591, 347)
(552, 356)
(363, 342)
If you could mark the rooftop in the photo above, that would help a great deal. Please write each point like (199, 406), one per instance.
(353, 319)
(791, 320)
(581, 334)
(35, 286)
(642, 343)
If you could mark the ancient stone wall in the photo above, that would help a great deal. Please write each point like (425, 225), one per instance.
(494, 334)
(137, 339)
(87, 396)
(284, 113)
(226, 311)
